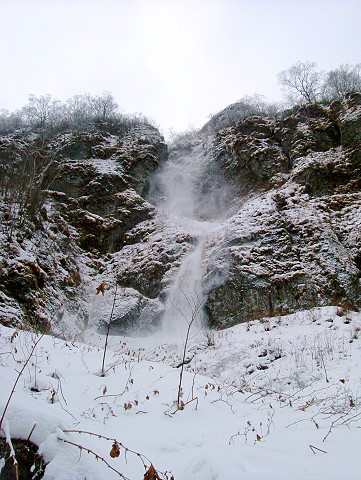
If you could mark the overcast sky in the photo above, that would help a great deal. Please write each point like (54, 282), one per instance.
(176, 61)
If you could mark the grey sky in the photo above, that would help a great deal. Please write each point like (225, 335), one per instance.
(176, 61)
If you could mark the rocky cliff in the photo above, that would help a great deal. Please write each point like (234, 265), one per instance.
(295, 241)
(290, 238)
(58, 229)
(283, 194)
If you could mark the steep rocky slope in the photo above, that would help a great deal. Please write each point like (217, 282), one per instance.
(290, 239)
(55, 245)
(295, 241)
(282, 196)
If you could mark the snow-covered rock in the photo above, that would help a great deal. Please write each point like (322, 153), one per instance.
(66, 203)
(288, 245)
(278, 201)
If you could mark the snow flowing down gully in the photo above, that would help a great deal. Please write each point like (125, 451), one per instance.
(177, 190)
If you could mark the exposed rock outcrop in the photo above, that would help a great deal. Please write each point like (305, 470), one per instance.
(93, 197)
(295, 242)
(285, 193)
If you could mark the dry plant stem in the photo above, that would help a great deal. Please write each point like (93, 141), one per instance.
(344, 421)
(193, 380)
(18, 378)
(108, 329)
(182, 405)
(127, 450)
(12, 455)
(139, 455)
(31, 432)
(313, 448)
(324, 367)
(224, 401)
(16, 468)
(118, 394)
(60, 388)
(98, 457)
(182, 367)
(195, 307)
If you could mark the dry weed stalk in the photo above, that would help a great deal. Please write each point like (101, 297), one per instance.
(313, 448)
(96, 455)
(150, 472)
(8, 439)
(109, 325)
(195, 305)
(18, 378)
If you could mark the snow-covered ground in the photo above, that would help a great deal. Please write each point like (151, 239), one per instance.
(273, 399)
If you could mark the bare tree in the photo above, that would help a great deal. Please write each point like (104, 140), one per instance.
(258, 105)
(52, 115)
(103, 106)
(343, 80)
(25, 178)
(79, 109)
(40, 111)
(9, 121)
(301, 83)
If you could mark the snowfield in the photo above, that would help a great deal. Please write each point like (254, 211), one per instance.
(275, 399)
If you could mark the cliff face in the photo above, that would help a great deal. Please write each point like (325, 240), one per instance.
(88, 188)
(284, 196)
(289, 238)
(295, 241)
(103, 179)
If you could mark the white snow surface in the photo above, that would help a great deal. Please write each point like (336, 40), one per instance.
(277, 398)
